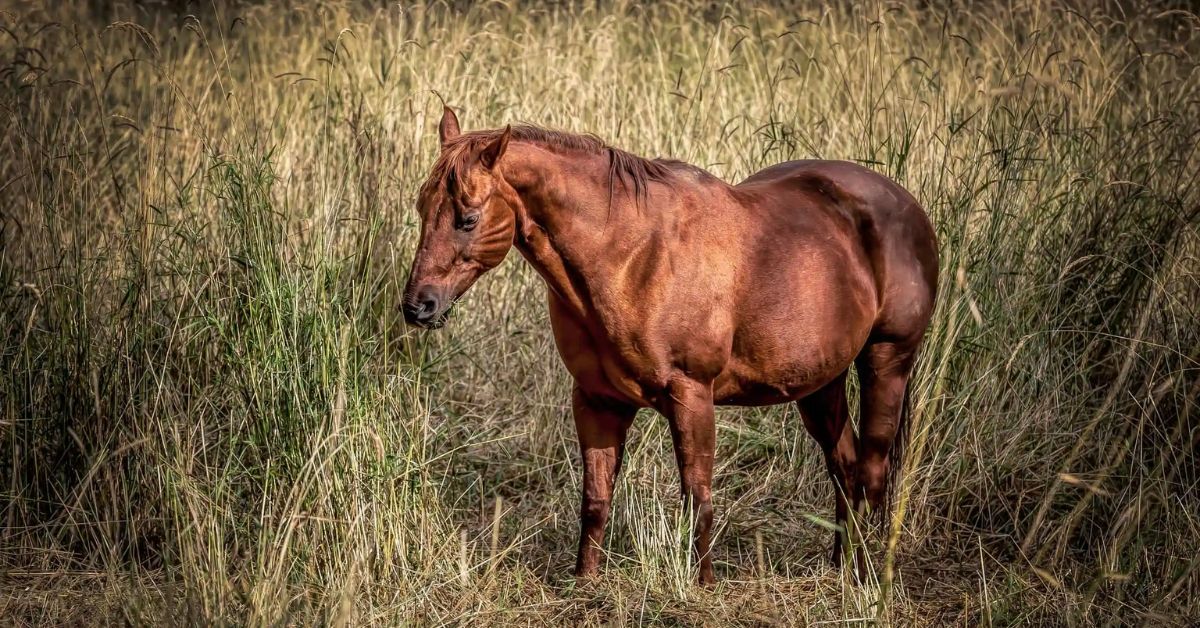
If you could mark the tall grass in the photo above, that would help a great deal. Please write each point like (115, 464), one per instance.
(210, 409)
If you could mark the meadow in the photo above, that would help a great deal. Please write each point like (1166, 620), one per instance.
(211, 410)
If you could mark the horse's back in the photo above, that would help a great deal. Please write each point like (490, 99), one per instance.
(859, 192)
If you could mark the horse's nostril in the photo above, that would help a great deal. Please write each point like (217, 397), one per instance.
(427, 309)
(421, 309)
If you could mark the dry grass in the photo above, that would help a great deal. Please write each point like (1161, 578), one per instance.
(211, 411)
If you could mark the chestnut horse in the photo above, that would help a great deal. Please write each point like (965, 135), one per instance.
(674, 290)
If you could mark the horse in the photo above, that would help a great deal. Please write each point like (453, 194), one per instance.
(671, 289)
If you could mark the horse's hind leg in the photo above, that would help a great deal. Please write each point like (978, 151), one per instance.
(883, 371)
(827, 418)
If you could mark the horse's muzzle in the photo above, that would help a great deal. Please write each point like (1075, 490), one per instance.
(427, 308)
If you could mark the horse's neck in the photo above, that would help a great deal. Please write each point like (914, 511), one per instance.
(570, 228)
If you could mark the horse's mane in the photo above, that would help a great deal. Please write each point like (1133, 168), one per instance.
(625, 168)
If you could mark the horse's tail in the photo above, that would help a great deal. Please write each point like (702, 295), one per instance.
(896, 455)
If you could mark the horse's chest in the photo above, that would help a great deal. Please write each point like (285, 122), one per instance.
(605, 373)
(617, 368)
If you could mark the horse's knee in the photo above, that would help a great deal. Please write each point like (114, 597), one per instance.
(699, 499)
(594, 511)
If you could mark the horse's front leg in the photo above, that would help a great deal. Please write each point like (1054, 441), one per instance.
(601, 425)
(689, 410)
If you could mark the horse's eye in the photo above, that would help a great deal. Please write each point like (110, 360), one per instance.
(468, 222)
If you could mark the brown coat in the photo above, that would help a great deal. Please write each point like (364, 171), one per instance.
(672, 289)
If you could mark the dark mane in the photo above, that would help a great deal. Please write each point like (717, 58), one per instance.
(625, 168)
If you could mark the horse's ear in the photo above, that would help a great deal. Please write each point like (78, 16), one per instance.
(495, 149)
(448, 127)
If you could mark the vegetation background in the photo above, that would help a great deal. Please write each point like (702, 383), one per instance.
(211, 410)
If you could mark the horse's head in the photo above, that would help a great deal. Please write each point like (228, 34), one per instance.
(467, 222)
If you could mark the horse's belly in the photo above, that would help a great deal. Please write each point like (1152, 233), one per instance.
(783, 367)
(802, 330)
(755, 387)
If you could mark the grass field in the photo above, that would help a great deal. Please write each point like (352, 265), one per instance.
(212, 411)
